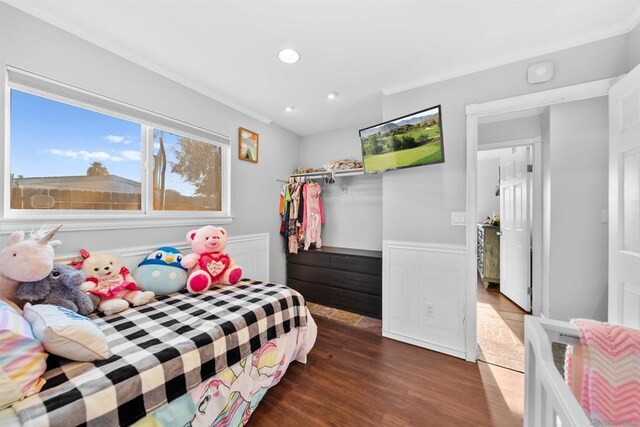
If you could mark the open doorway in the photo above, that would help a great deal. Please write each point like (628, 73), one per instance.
(508, 195)
(551, 155)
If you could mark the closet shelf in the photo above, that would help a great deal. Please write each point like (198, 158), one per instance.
(335, 174)
(329, 174)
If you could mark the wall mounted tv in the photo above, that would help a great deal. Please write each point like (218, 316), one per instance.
(405, 142)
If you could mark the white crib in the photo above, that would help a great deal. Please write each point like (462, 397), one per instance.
(548, 399)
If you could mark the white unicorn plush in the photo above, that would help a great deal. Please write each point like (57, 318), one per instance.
(25, 260)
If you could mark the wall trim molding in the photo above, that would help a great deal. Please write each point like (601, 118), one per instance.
(508, 144)
(543, 98)
(109, 222)
(55, 20)
(425, 344)
(454, 251)
(141, 251)
(450, 248)
(623, 27)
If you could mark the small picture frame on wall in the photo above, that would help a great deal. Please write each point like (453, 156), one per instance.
(247, 145)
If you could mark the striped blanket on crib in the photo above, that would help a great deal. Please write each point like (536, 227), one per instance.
(604, 373)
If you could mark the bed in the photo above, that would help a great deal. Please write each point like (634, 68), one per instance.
(185, 359)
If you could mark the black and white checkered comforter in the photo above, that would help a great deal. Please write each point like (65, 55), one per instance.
(160, 351)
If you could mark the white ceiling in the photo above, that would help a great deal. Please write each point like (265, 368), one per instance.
(361, 49)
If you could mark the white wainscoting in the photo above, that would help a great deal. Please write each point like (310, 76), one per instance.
(419, 275)
(249, 251)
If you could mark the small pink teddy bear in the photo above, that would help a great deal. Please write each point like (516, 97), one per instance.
(208, 263)
(110, 281)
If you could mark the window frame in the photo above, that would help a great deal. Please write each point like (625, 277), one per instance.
(146, 217)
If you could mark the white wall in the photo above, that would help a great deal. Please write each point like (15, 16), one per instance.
(344, 143)
(634, 47)
(31, 44)
(579, 192)
(509, 130)
(488, 176)
(417, 202)
(354, 218)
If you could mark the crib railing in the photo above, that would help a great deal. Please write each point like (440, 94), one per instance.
(548, 399)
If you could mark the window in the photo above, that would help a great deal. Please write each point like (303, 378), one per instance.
(75, 152)
(68, 158)
(187, 173)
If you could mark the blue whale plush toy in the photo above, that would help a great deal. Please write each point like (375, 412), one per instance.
(161, 272)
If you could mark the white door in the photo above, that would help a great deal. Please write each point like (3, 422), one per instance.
(624, 200)
(515, 226)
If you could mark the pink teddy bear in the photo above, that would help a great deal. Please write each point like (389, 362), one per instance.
(208, 263)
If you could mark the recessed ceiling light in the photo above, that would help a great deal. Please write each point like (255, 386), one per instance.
(289, 56)
(288, 109)
(332, 95)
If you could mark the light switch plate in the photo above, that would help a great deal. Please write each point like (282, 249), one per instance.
(458, 218)
(604, 217)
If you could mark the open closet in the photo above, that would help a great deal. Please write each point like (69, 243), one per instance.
(340, 282)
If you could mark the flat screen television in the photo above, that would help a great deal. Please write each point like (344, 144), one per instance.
(405, 142)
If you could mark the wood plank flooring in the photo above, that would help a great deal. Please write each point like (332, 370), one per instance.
(357, 378)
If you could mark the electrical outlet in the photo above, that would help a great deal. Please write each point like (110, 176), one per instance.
(458, 218)
(428, 309)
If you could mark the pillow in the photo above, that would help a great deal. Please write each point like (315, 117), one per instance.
(22, 358)
(65, 333)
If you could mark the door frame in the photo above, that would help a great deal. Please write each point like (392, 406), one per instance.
(474, 112)
(536, 222)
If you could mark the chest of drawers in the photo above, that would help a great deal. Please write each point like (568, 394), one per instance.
(489, 253)
(348, 279)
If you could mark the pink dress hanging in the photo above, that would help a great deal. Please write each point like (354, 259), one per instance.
(313, 215)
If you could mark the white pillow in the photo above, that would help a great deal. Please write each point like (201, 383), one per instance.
(65, 333)
(22, 358)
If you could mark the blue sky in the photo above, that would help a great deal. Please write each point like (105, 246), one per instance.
(49, 138)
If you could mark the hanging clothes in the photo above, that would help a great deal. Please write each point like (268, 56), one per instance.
(302, 215)
(293, 218)
(301, 207)
(313, 217)
(282, 207)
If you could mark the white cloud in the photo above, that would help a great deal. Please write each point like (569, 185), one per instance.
(115, 138)
(67, 153)
(122, 156)
(131, 155)
(156, 145)
(85, 155)
(120, 139)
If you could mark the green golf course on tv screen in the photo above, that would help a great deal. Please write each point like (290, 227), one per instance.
(408, 141)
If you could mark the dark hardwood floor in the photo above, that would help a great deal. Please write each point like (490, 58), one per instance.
(357, 378)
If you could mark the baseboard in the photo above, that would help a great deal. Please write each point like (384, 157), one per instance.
(424, 344)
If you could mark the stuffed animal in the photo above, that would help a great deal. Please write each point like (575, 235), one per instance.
(61, 287)
(161, 272)
(208, 263)
(25, 260)
(110, 280)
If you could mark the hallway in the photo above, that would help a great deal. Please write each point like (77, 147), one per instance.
(500, 329)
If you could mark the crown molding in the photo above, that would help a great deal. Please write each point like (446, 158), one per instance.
(32, 9)
(623, 27)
